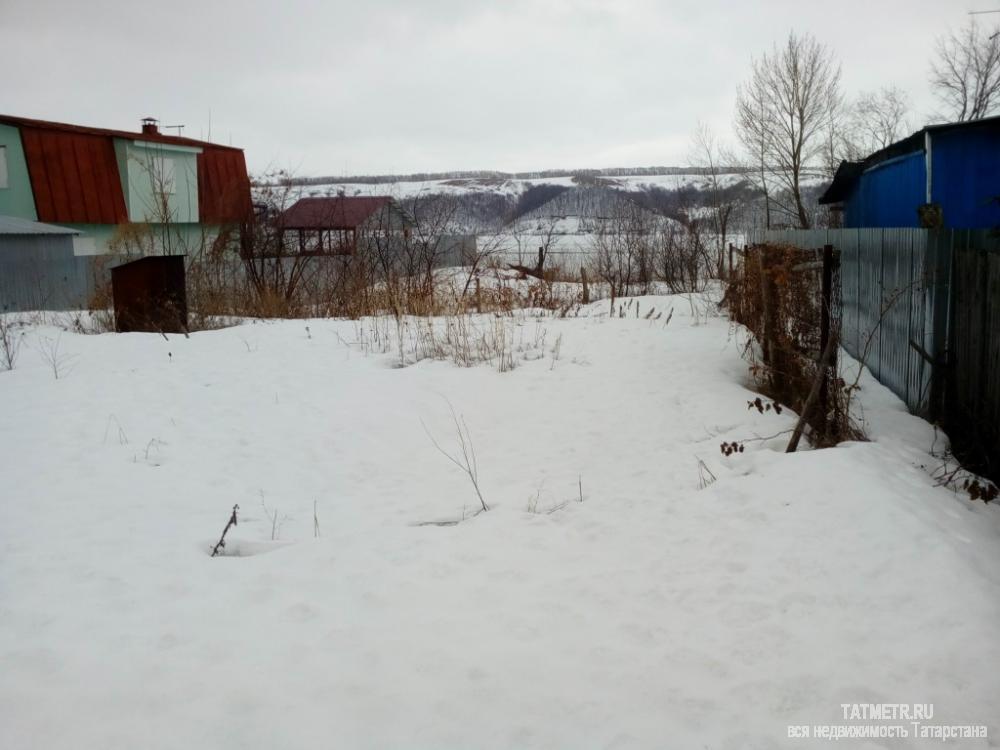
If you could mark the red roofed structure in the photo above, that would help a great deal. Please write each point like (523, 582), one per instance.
(330, 226)
(97, 178)
(338, 212)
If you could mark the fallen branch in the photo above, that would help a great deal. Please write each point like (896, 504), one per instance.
(824, 361)
(222, 539)
(540, 275)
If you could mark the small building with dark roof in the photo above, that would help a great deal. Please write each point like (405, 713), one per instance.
(943, 175)
(332, 225)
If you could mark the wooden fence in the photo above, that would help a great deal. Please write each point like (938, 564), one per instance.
(921, 308)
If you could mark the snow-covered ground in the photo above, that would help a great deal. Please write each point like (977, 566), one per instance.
(665, 610)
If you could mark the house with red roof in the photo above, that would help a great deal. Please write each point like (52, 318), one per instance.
(122, 191)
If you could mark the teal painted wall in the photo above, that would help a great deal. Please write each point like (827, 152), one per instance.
(147, 196)
(16, 199)
(137, 169)
(146, 239)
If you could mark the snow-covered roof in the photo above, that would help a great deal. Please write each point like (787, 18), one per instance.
(12, 225)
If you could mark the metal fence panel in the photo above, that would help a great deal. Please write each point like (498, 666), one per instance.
(848, 244)
(42, 273)
(884, 302)
(918, 380)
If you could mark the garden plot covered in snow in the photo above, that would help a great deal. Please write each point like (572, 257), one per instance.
(629, 587)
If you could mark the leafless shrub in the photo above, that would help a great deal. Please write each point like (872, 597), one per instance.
(463, 338)
(683, 261)
(705, 475)
(535, 506)
(624, 245)
(11, 339)
(58, 361)
(272, 516)
(780, 304)
(122, 437)
(465, 457)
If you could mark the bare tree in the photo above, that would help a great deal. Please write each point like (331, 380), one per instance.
(709, 154)
(432, 229)
(274, 265)
(878, 118)
(786, 108)
(624, 246)
(867, 124)
(965, 74)
(754, 133)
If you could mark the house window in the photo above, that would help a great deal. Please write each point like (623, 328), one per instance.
(3, 167)
(163, 175)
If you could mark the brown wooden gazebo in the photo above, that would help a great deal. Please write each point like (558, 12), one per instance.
(329, 226)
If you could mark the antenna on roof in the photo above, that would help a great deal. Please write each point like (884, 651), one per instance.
(983, 13)
(179, 128)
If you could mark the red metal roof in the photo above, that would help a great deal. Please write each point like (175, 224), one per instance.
(87, 130)
(75, 178)
(223, 186)
(338, 212)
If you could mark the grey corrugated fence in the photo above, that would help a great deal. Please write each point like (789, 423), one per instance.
(921, 309)
(42, 273)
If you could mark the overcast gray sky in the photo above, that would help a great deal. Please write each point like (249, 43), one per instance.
(428, 85)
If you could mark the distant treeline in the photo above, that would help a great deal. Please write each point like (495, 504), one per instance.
(493, 175)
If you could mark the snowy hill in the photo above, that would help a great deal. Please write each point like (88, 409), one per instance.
(508, 186)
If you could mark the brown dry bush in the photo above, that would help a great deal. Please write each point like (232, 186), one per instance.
(778, 298)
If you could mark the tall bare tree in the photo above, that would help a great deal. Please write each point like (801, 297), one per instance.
(752, 130)
(872, 121)
(711, 156)
(878, 118)
(965, 73)
(784, 111)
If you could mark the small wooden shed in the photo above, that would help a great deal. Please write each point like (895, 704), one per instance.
(150, 295)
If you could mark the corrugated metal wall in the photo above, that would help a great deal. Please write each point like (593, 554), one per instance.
(41, 273)
(965, 175)
(965, 182)
(888, 194)
(921, 309)
(886, 278)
